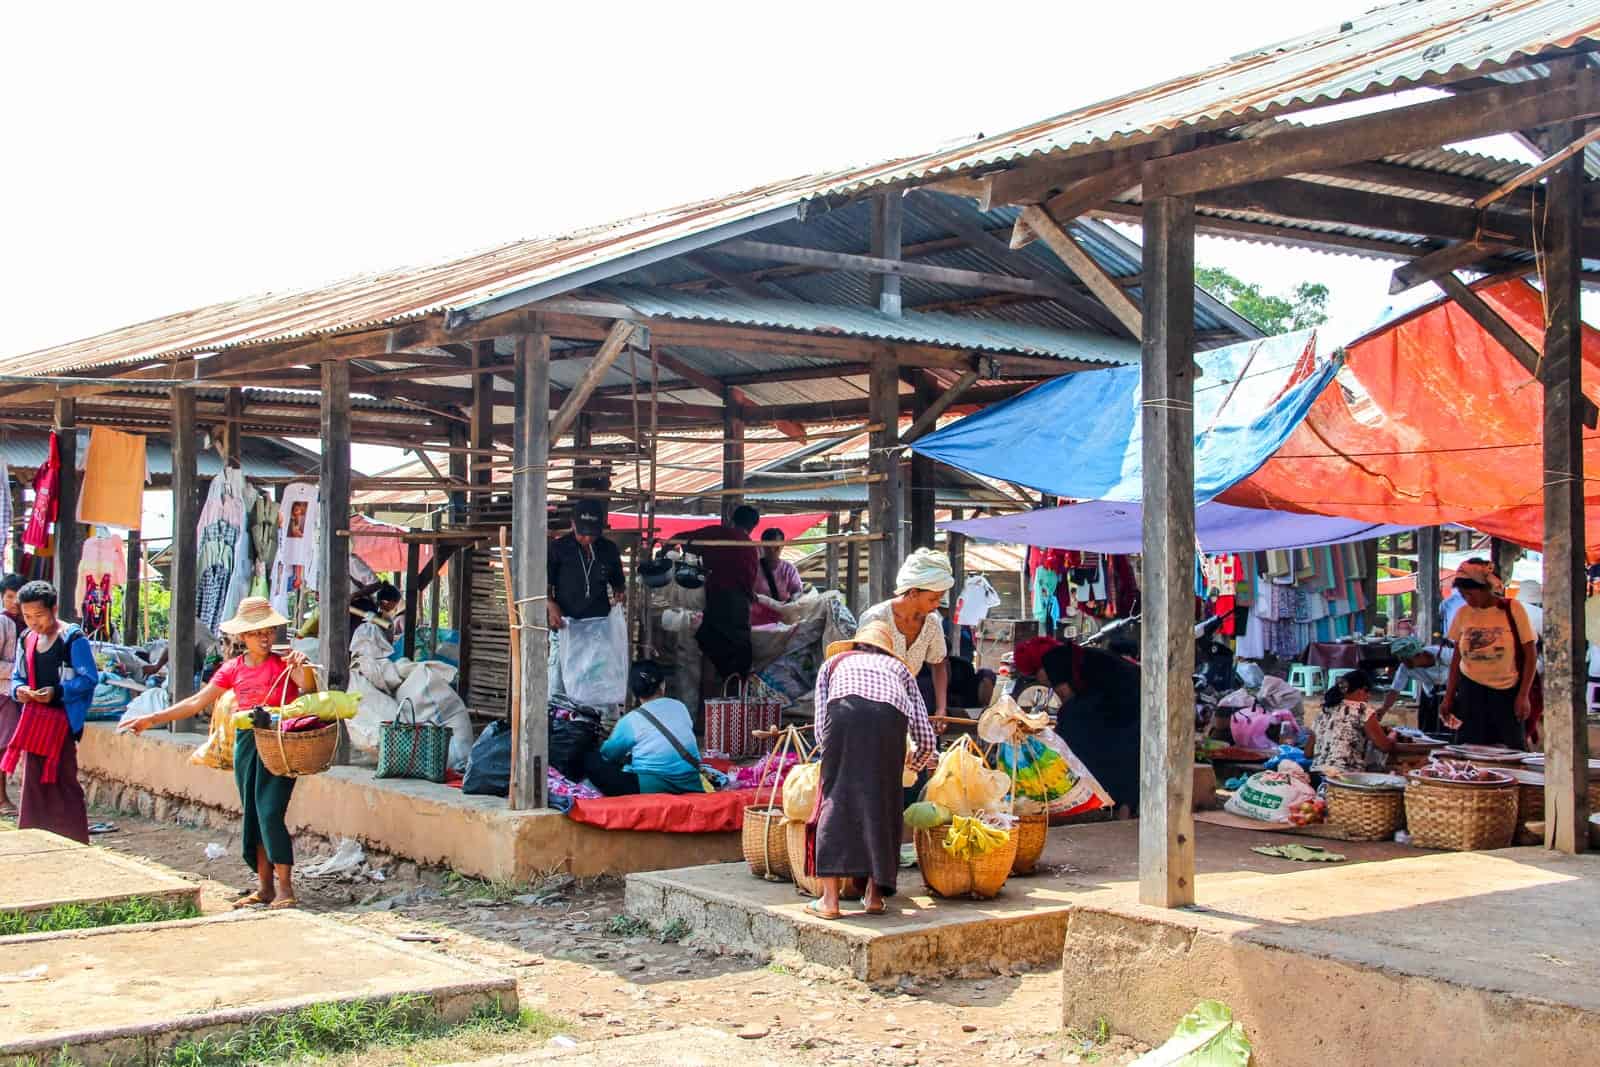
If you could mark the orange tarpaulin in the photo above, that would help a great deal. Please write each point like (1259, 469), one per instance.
(1431, 421)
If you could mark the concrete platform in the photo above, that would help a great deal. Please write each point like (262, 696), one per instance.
(691, 1046)
(1460, 959)
(43, 870)
(419, 821)
(923, 935)
(125, 994)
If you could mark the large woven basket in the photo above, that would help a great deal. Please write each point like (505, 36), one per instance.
(1461, 816)
(766, 849)
(947, 876)
(1365, 814)
(1029, 834)
(1530, 800)
(298, 754)
(795, 836)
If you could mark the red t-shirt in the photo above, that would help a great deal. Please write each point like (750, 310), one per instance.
(250, 684)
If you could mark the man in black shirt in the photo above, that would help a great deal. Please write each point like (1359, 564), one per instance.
(585, 576)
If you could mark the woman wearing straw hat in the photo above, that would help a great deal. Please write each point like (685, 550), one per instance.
(914, 621)
(867, 701)
(258, 678)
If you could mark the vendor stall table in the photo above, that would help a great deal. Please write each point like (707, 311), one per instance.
(1350, 654)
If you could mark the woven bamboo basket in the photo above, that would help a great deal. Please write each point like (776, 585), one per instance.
(299, 754)
(1461, 816)
(1365, 814)
(1530, 800)
(947, 876)
(795, 838)
(1029, 834)
(766, 849)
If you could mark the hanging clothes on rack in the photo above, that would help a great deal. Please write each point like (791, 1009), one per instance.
(223, 550)
(114, 476)
(46, 486)
(294, 568)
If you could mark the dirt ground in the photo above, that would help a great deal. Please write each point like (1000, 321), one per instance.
(577, 962)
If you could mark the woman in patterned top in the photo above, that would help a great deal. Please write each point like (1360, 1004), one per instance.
(1347, 725)
(914, 620)
(867, 702)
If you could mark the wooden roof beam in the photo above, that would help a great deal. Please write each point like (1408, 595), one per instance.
(1079, 197)
(1464, 117)
(1436, 264)
(1084, 266)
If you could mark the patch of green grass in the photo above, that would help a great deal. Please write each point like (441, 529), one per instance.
(83, 916)
(673, 932)
(501, 889)
(352, 1031)
(628, 926)
(778, 968)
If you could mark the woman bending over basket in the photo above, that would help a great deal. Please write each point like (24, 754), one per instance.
(258, 679)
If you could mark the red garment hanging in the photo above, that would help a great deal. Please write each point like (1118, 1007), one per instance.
(46, 499)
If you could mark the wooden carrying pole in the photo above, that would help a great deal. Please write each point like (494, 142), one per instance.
(1166, 783)
(514, 682)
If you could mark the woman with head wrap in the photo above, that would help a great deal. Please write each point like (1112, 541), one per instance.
(1099, 717)
(1429, 667)
(914, 619)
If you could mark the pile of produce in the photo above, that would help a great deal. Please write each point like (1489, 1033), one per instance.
(1445, 770)
(969, 797)
(1307, 812)
(309, 711)
(969, 838)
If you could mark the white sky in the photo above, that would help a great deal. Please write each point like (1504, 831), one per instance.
(165, 156)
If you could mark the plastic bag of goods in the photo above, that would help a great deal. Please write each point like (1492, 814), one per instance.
(489, 769)
(964, 784)
(594, 659)
(217, 749)
(1271, 796)
(326, 706)
(1048, 774)
(800, 791)
(429, 688)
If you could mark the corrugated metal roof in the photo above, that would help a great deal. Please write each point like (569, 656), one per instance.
(1415, 42)
(983, 335)
(1404, 44)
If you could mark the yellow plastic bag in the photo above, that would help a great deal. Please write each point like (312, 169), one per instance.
(800, 792)
(217, 749)
(964, 783)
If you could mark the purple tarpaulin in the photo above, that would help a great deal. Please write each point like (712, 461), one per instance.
(1114, 527)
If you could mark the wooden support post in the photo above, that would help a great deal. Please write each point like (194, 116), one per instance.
(530, 532)
(1166, 818)
(888, 218)
(732, 459)
(69, 535)
(852, 568)
(480, 430)
(883, 496)
(413, 600)
(1369, 584)
(921, 497)
(435, 588)
(461, 566)
(233, 409)
(956, 545)
(1427, 583)
(1566, 739)
(130, 592)
(830, 553)
(19, 522)
(185, 545)
(333, 527)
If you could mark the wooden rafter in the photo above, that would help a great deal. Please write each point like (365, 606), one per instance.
(1080, 196)
(1443, 261)
(616, 339)
(1083, 265)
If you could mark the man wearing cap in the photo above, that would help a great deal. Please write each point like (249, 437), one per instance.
(584, 569)
(1490, 692)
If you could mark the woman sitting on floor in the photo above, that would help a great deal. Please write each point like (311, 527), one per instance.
(652, 748)
(1347, 729)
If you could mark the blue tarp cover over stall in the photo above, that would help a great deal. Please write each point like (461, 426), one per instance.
(1079, 436)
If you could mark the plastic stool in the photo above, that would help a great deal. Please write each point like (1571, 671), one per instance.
(1412, 691)
(1306, 678)
(1335, 673)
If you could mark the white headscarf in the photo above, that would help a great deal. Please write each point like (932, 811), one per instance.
(925, 569)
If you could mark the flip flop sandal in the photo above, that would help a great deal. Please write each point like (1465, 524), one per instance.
(882, 907)
(250, 900)
(819, 913)
(283, 904)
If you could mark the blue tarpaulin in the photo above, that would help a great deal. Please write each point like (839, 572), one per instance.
(1079, 436)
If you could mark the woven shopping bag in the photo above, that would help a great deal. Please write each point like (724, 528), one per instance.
(412, 749)
(731, 719)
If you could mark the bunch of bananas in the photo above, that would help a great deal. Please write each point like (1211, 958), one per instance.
(969, 838)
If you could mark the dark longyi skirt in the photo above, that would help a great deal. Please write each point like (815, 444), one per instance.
(57, 806)
(264, 796)
(859, 820)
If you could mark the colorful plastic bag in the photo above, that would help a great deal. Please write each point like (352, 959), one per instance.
(1270, 795)
(1049, 775)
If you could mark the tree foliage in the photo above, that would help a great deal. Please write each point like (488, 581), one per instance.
(1306, 305)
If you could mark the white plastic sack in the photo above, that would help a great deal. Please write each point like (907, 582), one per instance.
(371, 640)
(376, 707)
(1278, 695)
(1270, 795)
(146, 703)
(428, 688)
(594, 660)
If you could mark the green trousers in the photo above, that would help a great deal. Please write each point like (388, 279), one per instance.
(265, 799)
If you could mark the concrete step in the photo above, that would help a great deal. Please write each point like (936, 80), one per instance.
(43, 870)
(125, 994)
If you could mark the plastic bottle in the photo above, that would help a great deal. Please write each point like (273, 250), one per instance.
(1003, 682)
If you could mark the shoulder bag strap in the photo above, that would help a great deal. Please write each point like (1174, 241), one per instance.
(683, 753)
(1516, 638)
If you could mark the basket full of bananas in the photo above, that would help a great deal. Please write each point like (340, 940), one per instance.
(970, 855)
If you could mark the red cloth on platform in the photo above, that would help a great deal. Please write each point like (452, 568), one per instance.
(668, 813)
